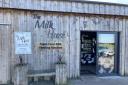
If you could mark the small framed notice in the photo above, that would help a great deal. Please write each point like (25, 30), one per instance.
(23, 43)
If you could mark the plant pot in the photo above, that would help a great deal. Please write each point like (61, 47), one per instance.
(61, 74)
(20, 74)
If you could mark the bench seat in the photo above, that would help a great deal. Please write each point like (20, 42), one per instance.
(40, 73)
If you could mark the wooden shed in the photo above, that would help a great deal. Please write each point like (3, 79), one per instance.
(91, 37)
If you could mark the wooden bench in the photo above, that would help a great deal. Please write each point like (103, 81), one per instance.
(39, 73)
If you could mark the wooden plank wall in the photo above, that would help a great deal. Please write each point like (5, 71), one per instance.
(5, 46)
(70, 25)
(66, 26)
(67, 6)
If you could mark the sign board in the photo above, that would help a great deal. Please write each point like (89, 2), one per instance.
(23, 43)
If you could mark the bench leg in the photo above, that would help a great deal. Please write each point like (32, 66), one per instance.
(35, 79)
(47, 77)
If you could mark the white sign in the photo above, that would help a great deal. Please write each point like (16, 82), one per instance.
(23, 43)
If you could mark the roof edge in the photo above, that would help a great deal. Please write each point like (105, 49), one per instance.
(93, 2)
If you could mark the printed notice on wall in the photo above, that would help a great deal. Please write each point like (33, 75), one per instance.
(23, 43)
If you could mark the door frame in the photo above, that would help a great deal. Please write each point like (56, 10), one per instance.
(117, 51)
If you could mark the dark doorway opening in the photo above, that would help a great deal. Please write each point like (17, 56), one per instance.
(88, 52)
(98, 53)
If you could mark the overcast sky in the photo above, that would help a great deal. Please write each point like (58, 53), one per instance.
(114, 1)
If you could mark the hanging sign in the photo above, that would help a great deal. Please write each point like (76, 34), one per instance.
(23, 43)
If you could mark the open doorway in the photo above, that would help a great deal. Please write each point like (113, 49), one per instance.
(98, 53)
(88, 52)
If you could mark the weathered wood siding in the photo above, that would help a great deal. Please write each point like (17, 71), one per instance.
(67, 6)
(70, 26)
(57, 27)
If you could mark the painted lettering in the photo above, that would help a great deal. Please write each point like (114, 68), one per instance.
(35, 16)
(48, 26)
(56, 35)
(85, 24)
(44, 24)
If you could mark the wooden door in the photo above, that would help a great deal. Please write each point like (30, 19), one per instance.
(88, 52)
(5, 45)
(107, 43)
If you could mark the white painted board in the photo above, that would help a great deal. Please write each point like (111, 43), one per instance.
(23, 43)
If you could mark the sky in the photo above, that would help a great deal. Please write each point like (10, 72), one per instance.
(106, 38)
(114, 1)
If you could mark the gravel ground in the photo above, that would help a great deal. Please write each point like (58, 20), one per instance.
(91, 80)
(94, 80)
